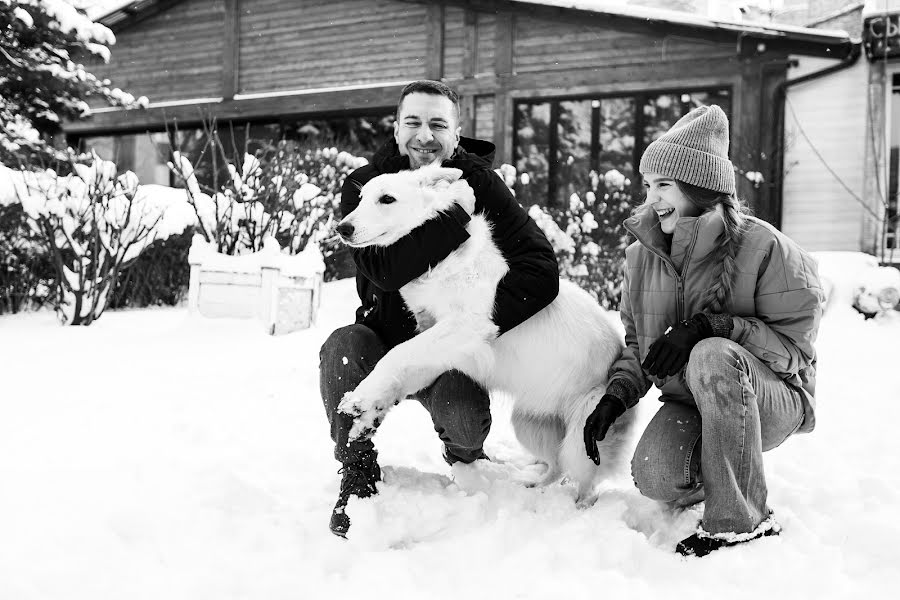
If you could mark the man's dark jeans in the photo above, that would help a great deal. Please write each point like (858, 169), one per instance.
(459, 407)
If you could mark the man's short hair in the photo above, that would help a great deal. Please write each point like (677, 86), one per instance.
(427, 86)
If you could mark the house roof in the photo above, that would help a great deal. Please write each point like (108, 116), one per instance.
(694, 20)
(119, 12)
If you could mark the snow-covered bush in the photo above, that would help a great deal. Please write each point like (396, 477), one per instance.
(42, 82)
(286, 192)
(587, 235)
(94, 222)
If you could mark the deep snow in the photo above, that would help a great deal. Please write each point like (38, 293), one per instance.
(158, 455)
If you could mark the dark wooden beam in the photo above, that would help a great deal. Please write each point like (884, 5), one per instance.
(688, 73)
(435, 65)
(231, 50)
(265, 108)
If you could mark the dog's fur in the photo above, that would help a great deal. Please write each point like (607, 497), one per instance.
(554, 365)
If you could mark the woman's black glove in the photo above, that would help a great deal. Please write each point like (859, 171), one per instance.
(670, 352)
(608, 410)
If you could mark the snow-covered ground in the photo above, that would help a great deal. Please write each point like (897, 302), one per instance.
(155, 455)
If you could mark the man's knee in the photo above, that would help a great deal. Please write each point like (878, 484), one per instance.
(460, 410)
(350, 340)
(346, 358)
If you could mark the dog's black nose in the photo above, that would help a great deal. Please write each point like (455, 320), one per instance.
(345, 230)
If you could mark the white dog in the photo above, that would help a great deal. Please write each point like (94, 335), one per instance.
(554, 365)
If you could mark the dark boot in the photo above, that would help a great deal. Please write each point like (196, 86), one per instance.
(703, 543)
(360, 474)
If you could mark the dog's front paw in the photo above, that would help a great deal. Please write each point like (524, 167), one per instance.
(367, 414)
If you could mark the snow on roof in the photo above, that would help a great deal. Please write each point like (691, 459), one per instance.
(101, 8)
(105, 8)
(689, 19)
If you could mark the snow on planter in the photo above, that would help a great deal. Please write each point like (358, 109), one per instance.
(282, 291)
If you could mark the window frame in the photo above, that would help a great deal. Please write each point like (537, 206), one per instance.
(640, 98)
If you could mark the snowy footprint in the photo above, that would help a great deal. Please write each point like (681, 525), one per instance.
(481, 475)
(413, 507)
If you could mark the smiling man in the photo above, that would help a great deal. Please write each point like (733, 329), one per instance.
(427, 131)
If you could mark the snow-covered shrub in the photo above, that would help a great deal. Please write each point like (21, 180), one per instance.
(94, 222)
(587, 235)
(43, 84)
(287, 192)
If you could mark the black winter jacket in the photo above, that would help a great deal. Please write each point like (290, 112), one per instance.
(531, 283)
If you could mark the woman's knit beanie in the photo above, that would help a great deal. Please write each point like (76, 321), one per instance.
(694, 151)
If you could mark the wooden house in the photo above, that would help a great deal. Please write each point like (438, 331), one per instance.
(560, 86)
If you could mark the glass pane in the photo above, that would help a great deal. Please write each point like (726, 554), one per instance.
(360, 136)
(617, 121)
(574, 150)
(662, 111)
(144, 153)
(532, 123)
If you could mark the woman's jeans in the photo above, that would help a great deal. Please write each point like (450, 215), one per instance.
(713, 447)
(459, 407)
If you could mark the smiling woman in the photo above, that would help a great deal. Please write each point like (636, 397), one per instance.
(737, 377)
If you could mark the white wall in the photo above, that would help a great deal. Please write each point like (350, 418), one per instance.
(817, 211)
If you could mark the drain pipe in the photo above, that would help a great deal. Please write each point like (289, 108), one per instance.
(776, 175)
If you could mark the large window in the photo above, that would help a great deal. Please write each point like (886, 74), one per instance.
(559, 141)
(146, 153)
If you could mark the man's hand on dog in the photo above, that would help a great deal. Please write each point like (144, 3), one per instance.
(598, 423)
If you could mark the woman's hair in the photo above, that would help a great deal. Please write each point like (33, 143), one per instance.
(733, 212)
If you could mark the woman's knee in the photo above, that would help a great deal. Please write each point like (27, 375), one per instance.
(711, 360)
(666, 461)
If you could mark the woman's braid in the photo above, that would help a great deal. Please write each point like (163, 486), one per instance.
(720, 290)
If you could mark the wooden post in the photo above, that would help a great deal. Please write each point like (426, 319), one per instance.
(503, 53)
(503, 67)
(470, 44)
(467, 115)
(231, 50)
(434, 68)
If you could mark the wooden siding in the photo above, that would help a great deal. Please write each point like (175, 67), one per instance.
(484, 117)
(540, 45)
(176, 54)
(817, 211)
(313, 44)
(454, 42)
(485, 42)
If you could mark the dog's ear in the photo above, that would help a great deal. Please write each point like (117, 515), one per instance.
(434, 176)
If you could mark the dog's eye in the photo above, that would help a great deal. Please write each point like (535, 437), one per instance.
(387, 199)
